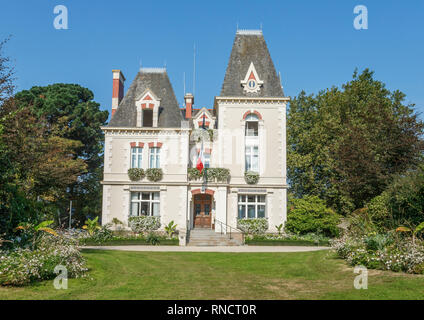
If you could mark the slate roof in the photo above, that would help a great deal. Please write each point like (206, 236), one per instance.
(250, 46)
(157, 81)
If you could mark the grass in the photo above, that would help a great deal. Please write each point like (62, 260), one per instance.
(186, 275)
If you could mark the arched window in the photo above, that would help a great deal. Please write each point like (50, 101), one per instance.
(251, 125)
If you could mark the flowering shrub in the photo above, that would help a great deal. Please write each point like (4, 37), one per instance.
(21, 266)
(318, 239)
(154, 174)
(384, 253)
(136, 174)
(144, 223)
(253, 226)
(251, 177)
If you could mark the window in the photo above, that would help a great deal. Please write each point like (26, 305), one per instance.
(251, 206)
(147, 118)
(145, 204)
(251, 125)
(136, 157)
(252, 158)
(154, 158)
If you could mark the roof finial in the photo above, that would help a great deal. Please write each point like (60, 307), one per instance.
(237, 26)
(261, 25)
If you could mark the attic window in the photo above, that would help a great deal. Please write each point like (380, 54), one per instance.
(147, 118)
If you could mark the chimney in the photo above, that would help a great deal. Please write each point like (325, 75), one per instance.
(189, 101)
(118, 89)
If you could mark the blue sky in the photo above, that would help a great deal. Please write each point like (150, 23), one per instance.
(313, 43)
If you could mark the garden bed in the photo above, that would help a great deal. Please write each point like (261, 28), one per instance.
(131, 242)
(269, 242)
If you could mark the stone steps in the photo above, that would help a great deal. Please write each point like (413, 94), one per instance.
(208, 237)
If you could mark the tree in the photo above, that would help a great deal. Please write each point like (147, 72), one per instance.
(72, 114)
(346, 145)
(14, 206)
(44, 163)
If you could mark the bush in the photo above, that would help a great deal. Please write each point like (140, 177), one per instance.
(253, 226)
(21, 266)
(402, 203)
(310, 215)
(136, 174)
(381, 252)
(251, 177)
(144, 223)
(154, 174)
(102, 235)
(153, 239)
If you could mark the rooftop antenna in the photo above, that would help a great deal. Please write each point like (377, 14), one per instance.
(237, 25)
(194, 70)
(140, 63)
(279, 75)
(261, 25)
(164, 64)
(184, 81)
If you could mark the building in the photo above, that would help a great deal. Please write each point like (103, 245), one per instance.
(246, 131)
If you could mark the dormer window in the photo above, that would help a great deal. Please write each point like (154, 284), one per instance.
(147, 110)
(147, 118)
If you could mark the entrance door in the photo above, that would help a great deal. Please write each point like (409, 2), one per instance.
(202, 211)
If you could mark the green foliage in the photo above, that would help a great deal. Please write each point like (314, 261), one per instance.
(100, 235)
(194, 174)
(218, 174)
(32, 232)
(279, 228)
(154, 174)
(92, 225)
(153, 239)
(251, 177)
(253, 226)
(72, 114)
(310, 214)
(375, 242)
(402, 203)
(212, 174)
(136, 174)
(170, 229)
(345, 145)
(144, 223)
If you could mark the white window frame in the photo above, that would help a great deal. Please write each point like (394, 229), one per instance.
(154, 157)
(140, 200)
(246, 205)
(136, 152)
(250, 153)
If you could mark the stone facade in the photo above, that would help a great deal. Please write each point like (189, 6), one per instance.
(245, 131)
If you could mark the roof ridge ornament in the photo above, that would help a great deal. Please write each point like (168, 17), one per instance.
(249, 32)
(251, 82)
(153, 70)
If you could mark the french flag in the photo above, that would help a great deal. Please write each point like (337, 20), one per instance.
(200, 158)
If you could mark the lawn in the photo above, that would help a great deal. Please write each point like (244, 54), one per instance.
(185, 275)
